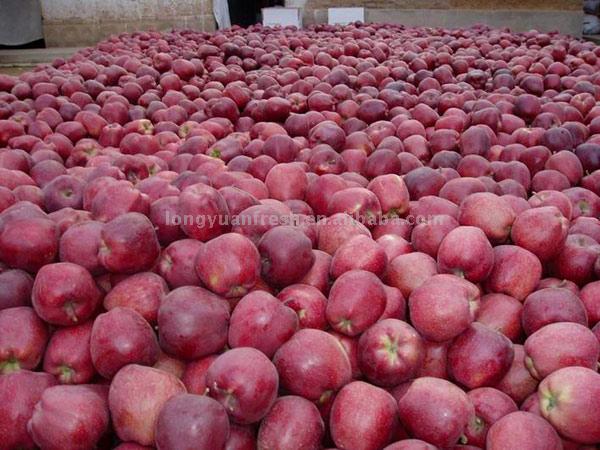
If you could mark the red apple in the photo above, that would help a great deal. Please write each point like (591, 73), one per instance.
(522, 430)
(68, 355)
(245, 382)
(23, 339)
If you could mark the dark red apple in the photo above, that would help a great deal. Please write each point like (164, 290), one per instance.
(245, 382)
(309, 304)
(192, 322)
(188, 420)
(65, 294)
(563, 396)
(23, 339)
(480, 356)
(68, 355)
(376, 423)
(523, 430)
(390, 352)
(516, 272)
(136, 396)
(435, 410)
(466, 252)
(228, 265)
(293, 422)
(261, 321)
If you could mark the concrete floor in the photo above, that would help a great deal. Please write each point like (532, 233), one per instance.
(15, 70)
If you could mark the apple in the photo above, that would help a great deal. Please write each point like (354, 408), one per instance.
(466, 252)
(575, 262)
(370, 430)
(409, 271)
(192, 420)
(356, 301)
(480, 356)
(278, 247)
(589, 296)
(564, 394)
(490, 406)
(15, 288)
(120, 337)
(293, 422)
(286, 182)
(559, 345)
(228, 265)
(336, 229)
(19, 392)
(428, 234)
(308, 302)
(523, 430)
(142, 292)
(261, 321)
(314, 375)
(390, 352)
(23, 340)
(502, 313)
(177, 263)
(68, 355)
(80, 244)
(65, 294)
(392, 193)
(128, 244)
(245, 382)
(490, 213)
(204, 212)
(70, 417)
(550, 305)
(435, 410)
(516, 272)
(192, 322)
(359, 253)
(443, 307)
(135, 398)
(542, 231)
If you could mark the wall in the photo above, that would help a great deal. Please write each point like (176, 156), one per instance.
(544, 15)
(85, 22)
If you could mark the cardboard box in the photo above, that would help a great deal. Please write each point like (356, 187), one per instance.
(344, 16)
(282, 16)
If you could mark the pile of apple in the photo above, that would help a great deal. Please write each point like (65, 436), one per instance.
(357, 237)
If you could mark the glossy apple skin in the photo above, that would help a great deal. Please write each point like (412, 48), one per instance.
(245, 382)
(490, 213)
(409, 271)
(261, 321)
(375, 427)
(65, 294)
(228, 265)
(356, 301)
(479, 357)
(188, 420)
(435, 410)
(70, 417)
(19, 392)
(309, 304)
(293, 422)
(502, 313)
(68, 355)
(465, 251)
(193, 322)
(23, 339)
(559, 345)
(550, 305)
(128, 244)
(359, 252)
(490, 406)
(524, 430)
(135, 398)
(15, 288)
(177, 263)
(564, 394)
(286, 255)
(518, 383)
(203, 202)
(516, 272)
(315, 376)
(542, 231)
(120, 337)
(142, 292)
(390, 352)
(443, 307)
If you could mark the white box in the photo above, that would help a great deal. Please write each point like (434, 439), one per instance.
(344, 16)
(282, 16)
